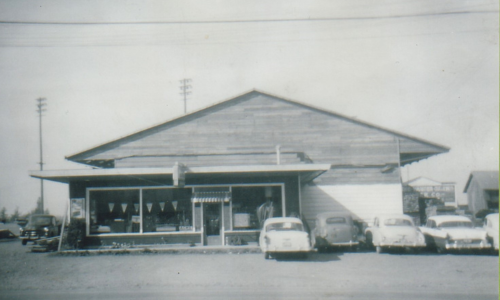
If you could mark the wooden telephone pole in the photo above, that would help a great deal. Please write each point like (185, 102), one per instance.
(40, 105)
(185, 88)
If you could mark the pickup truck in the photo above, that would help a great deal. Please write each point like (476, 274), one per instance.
(39, 226)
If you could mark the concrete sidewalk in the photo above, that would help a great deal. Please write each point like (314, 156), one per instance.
(167, 249)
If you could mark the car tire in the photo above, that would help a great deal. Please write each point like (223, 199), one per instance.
(378, 249)
(267, 255)
(24, 242)
(440, 250)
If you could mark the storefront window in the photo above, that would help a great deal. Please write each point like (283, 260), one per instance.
(115, 211)
(166, 210)
(252, 205)
(119, 211)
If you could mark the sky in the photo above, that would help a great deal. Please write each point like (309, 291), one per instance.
(107, 69)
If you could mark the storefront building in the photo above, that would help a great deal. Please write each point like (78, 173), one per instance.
(211, 177)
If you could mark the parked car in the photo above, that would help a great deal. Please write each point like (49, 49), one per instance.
(334, 230)
(39, 226)
(284, 235)
(394, 231)
(453, 233)
(491, 227)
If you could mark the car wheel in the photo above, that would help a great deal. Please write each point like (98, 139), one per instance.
(378, 249)
(440, 250)
(266, 255)
(24, 242)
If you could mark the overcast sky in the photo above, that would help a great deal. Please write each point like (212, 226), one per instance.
(429, 69)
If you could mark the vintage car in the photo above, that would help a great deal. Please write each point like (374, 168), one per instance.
(39, 226)
(394, 231)
(491, 227)
(334, 230)
(284, 235)
(450, 232)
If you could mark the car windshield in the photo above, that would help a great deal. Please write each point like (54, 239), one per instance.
(449, 224)
(40, 220)
(397, 222)
(285, 226)
(335, 220)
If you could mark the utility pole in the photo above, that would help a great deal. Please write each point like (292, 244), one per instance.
(185, 87)
(40, 105)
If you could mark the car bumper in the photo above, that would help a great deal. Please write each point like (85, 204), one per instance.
(32, 236)
(402, 244)
(343, 244)
(290, 249)
(482, 245)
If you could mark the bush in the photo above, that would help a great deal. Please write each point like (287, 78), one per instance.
(76, 234)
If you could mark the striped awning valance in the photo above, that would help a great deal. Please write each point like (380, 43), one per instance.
(210, 197)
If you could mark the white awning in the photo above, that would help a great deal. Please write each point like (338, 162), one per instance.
(210, 197)
(306, 171)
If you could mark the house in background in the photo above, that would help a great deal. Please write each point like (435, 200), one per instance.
(210, 177)
(482, 192)
(424, 197)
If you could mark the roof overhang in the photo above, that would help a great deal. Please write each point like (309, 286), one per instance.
(307, 172)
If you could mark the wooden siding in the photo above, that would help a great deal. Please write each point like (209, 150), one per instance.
(258, 125)
(363, 202)
(207, 160)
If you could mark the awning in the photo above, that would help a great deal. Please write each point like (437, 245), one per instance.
(307, 172)
(210, 197)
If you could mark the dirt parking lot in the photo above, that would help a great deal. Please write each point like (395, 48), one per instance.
(25, 275)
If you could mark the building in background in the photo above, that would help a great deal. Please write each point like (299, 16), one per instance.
(425, 197)
(482, 192)
(210, 176)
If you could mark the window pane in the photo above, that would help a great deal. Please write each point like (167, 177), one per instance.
(166, 210)
(252, 205)
(114, 211)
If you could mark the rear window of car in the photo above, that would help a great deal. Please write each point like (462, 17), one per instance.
(336, 220)
(455, 224)
(397, 222)
(286, 226)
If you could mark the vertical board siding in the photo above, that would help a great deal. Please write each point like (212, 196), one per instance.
(363, 202)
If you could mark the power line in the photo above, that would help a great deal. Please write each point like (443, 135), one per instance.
(247, 20)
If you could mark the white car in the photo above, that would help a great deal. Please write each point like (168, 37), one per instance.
(394, 231)
(491, 227)
(453, 233)
(284, 235)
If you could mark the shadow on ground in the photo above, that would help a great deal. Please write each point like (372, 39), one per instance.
(311, 257)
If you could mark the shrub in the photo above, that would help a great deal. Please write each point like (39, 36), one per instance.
(76, 234)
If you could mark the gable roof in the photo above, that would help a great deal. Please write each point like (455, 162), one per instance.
(487, 180)
(424, 181)
(407, 155)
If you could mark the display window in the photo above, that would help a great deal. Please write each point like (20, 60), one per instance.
(114, 211)
(252, 205)
(120, 211)
(211, 210)
(166, 210)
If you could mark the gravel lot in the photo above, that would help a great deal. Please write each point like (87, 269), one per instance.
(322, 276)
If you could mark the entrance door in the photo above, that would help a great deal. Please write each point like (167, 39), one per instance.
(212, 222)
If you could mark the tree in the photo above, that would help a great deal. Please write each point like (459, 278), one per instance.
(15, 215)
(3, 215)
(38, 209)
